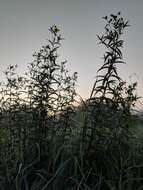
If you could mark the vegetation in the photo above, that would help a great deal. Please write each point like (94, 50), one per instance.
(48, 142)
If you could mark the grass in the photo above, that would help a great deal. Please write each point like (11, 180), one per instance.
(48, 143)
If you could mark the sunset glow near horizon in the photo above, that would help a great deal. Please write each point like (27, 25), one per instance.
(24, 29)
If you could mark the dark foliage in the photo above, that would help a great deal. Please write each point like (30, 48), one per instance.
(48, 143)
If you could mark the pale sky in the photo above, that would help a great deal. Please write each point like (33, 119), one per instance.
(24, 29)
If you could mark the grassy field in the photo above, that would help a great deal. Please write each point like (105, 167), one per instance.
(48, 143)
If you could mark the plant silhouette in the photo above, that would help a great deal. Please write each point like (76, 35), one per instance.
(50, 143)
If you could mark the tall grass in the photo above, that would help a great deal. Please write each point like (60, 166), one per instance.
(48, 143)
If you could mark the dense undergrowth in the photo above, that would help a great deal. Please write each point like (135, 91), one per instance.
(48, 142)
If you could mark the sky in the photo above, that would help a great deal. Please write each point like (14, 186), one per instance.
(24, 29)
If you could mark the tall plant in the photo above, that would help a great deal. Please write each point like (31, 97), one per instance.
(51, 87)
(111, 99)
(109, 85)
(107, 76)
